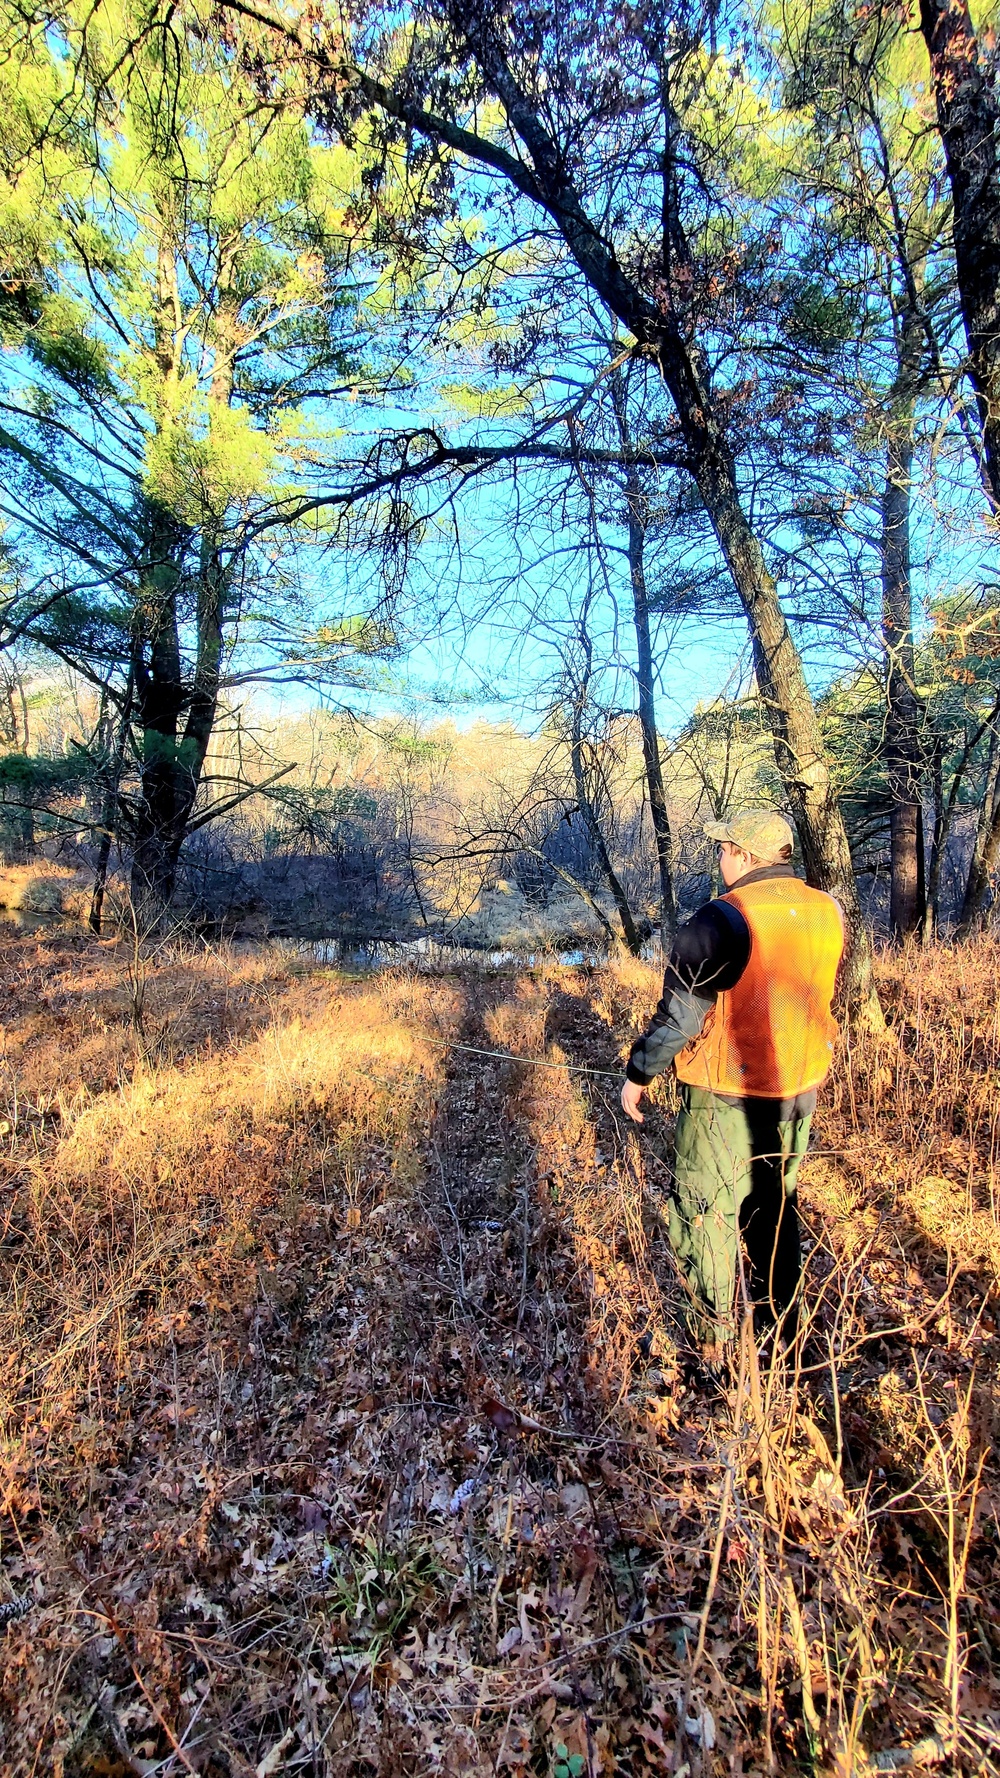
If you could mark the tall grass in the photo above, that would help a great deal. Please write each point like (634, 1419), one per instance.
(853, 1484)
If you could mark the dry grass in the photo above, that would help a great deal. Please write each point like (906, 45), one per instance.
(291, 1281)
(45, 888)
(125, 1203)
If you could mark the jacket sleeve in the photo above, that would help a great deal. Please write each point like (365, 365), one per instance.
(709, 955)
(678, 1017)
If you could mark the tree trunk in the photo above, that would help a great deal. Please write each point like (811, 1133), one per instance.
(638, 513)
(174, 757)
(903, 722)
(798, 740)
(637, 518)
(109, 812)
(979, 877)
(160, 698)
(984, 855)
(969, 124)
(984, 862)
(588, 811)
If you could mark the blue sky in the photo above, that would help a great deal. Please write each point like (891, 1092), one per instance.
(490, 601)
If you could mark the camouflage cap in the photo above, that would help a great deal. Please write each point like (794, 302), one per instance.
(762, 832)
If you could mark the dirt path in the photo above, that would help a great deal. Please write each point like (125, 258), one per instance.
(563, 1533)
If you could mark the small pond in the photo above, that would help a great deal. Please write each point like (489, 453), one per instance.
(426, 953)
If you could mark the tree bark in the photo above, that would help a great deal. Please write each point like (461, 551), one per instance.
(903, 723)
(109, 811)
(986, 849)
(591, 818)
(177, 712)
(637, 519)
(174, 745)
(174, 755)
(969, 124)
(638, 511)
(160, 696)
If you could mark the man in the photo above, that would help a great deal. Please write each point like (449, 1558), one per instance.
(745, 1019)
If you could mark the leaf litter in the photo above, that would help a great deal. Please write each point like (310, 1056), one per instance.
(348, 1425)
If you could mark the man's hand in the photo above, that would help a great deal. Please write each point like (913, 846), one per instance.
(631, 1094)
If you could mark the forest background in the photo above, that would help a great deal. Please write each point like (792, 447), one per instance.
(327, 404)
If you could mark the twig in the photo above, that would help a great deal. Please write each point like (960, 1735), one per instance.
(524, 1259)
(110, 1618)
(713, 1581)
(458, 1231)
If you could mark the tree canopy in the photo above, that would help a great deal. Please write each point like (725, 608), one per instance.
(324, 330)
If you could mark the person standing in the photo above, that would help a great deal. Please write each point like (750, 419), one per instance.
(746, 1020)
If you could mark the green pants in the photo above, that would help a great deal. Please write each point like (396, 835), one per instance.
(735, 1169)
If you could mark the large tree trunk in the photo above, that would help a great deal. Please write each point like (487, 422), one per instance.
(160, 698)
(174, 755)
(969, 123)
(177, 712)
(798, 739)
(903, 718)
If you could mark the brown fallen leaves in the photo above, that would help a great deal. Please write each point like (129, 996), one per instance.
(345, 1423)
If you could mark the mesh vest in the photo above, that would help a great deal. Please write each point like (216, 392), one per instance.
(772, 1035)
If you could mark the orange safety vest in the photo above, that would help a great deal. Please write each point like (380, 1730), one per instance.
(772, 1035)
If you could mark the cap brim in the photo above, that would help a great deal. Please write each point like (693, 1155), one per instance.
(716, 830)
